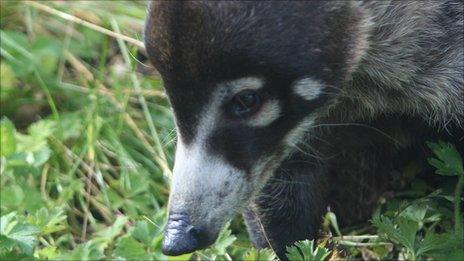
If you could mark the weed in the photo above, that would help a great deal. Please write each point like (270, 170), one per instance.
(87, 147)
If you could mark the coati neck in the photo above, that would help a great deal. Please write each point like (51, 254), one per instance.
(411, 62)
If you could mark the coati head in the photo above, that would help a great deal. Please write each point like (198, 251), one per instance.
(245, 80)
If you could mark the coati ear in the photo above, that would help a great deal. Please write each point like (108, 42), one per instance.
(366, 2)
(360, 29)
(346, 29)
(157, 34)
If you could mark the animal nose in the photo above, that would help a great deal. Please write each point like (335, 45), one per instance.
(181, 237)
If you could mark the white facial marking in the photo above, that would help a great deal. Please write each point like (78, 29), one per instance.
(247, 83)
(295, 136)
(269, 112)
(197, 166)
(308, 89)
(212, 111)
(271, 109)
(203, 184)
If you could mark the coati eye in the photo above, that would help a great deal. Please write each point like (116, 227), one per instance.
(245, 103)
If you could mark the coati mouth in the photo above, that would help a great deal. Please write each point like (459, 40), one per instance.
(194, 223)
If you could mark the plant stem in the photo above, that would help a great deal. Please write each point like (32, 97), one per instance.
(151, 126)
(457, 209)
(90, 25)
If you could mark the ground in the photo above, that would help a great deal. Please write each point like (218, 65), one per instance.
(87, 143)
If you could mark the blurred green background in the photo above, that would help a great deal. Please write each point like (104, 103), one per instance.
(87, 143)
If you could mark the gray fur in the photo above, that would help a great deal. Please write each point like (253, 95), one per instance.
(392, 76)
(415, 61)
(412, 65)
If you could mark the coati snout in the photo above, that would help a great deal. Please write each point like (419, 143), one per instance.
(272, 98)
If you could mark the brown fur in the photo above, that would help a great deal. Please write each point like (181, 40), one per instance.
(393, 72)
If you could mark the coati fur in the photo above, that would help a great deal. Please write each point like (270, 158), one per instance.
(389, 76)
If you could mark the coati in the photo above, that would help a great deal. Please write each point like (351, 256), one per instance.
(283, 108)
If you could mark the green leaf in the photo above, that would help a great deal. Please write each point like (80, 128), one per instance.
(7, 243)
(12, 196)
(36, 140)
(404, 232)
(261, 254)
(148, 232)
(7, 138)
(42, 129)
(105, 236)
(13, 255)
(408, 229)
(7, 222)
(179, 258)
(448, 161)
(445, 246)
(304, 250)
(41, 156)
(22, 236)
(224, 240)
(115, 229)
(86, 251)
(433, 242)
(8, 79)
(141, 232)
(48, 253)
(448, 254)
(71, 125)
(130, 249)
(415, 212)
(48, 221)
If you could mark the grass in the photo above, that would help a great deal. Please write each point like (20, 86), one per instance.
(87, 146)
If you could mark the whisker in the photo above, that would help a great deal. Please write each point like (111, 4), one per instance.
(140, 62)
(358, 125)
